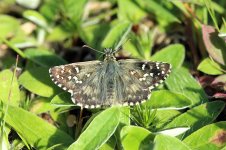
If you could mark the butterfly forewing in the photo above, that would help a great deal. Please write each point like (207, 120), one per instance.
(73, 76)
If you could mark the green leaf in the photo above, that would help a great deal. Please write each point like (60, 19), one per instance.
(109, 145)
(4, 142)
(163, 16)
(210, 67)
(8, 87)
(134, 138)
(40, 105)
(173, 54)
(44, 57)
(163, 117)
(128, 10)
(210, 135)
(62, 99)
(95, 34)
(197, 117)
(140, 43)
(36, 131)
(164, 142)
(214, 44)
(74, 10)
(58, 34)
(180, 81)
(37, 80)
(29, 4)
(124, 120)
(9, 26)
(116, 36)
(99, 130)
(36, 17)
(164, 99)
(173, 131)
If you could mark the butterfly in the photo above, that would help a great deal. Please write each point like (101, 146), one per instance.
(95, 84)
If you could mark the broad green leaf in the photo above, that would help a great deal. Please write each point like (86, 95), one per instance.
(99, 130)
(213, 134)
(40, 105)
(173, 54)
(9, 87)
(44, 57)
(164, 16)
(164, 142)
(4, 142)
(174, 131)
(74, 10)
(116, 36)
(134, 138)
(163, 117)
(164, 99)
(124, 120)
(180, 81)
(36, 17)
(210, 67)
(58, 34)
(109, 145)
(214, 44)
(140, 43)
(197, 117)
(62, 99)
(94, 35)
(37, 80)
(35, 131)
(9, 26)
(128, 10)
(50, 9)
(31, 4)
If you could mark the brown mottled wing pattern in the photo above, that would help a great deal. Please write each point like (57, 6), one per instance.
(95, 84)
(74, 77)
(141, 77)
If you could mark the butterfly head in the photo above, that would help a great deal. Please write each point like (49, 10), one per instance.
(109, 54)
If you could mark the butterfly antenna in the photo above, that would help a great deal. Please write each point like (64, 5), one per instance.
(120, 47)
(86, 46)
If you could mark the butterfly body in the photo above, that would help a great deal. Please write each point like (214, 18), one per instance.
(124, 82)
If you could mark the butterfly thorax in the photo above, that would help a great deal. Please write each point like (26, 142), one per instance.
(109, 54)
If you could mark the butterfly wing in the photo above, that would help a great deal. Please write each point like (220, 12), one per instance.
(73, 77)
(140, 77)
(94, 83)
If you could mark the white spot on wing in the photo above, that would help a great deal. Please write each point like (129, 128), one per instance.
(75, 78)
(69, 77)
(145, 75)
(77, 70)
(88, 74)
(70, 91)
(151, 74)
(143, 66)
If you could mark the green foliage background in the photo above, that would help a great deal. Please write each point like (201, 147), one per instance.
(181, 113)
